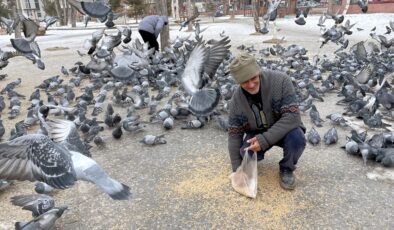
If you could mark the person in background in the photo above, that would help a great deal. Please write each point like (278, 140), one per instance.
(150, 28)
(264, 113)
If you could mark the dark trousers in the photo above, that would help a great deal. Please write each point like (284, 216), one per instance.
(150, 39)
(293, 145)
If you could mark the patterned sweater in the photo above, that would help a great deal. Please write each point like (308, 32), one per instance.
(279, 106)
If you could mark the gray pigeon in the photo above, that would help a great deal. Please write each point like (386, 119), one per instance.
(315, 116)
(331, 136)
(37, 203)
(36, 157)
(5, 184)
(43, 222)
(86, 168)
(313, 137)
(202, 64)
(351, 147)
(153, 140)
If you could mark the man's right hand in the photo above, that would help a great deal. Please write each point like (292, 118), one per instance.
(254, 144)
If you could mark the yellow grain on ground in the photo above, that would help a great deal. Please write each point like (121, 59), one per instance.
(209, 181)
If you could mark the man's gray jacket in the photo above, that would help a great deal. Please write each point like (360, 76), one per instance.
(153, 24)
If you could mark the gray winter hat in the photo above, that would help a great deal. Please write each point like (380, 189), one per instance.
(244, 67)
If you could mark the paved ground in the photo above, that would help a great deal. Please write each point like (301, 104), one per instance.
(184, 184)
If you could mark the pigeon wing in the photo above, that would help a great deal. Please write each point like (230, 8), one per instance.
(21, 45)
(191, 77)
(76, 5)
(65, 132)
(30, 27)
(215, 56)
(35, 157)
(30, 202)
(95, 9)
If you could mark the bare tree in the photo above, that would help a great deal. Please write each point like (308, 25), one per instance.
(59, 12)
(65, 11)
(14, 10)
(165, 33)
(346, 7)
(256, 13)
(73, 17)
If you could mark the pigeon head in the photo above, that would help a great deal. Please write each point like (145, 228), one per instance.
(61, 210)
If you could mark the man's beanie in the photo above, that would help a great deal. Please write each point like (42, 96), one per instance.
(244, 67)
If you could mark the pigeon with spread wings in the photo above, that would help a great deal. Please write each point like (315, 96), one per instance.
(36, 157)
(98, 9)
(201, 66)
(27, 46)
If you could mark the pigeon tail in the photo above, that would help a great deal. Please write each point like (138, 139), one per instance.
(123, 194)
(109, 24)
(204, 101)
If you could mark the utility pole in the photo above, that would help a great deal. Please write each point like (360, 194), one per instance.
(165, 33)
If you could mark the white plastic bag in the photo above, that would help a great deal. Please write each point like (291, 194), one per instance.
(244, 180)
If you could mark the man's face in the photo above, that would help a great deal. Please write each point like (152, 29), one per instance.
(252, 85)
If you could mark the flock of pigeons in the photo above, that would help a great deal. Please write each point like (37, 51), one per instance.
(187, 83)
(302, 13)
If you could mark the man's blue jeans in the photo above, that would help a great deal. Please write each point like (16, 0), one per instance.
(293, 145)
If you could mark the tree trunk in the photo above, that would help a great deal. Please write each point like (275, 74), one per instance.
(256, 15)
(165, 32)
(59, 12)
(190, 11)
(346, 7)
(73, 17)
(232, 10)
(65, 12)
(14, 10)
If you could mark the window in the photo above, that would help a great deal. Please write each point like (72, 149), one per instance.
(37, 4)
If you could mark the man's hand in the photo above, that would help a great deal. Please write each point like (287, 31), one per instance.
(254, 144)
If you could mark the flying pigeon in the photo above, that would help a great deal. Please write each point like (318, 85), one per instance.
(44, 221)
(38, 203)
(202, 65)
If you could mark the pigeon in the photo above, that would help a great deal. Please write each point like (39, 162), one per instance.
(27, 46)
(43, 188)
(44, 221)
(9, 23)
(193, 124)
(313, 137)
(190, 19)
(127, 33)
(117, 132)
(202, 64)
(38, 203)
(64, 71)
(35, 157)
(331, 136)
(153, 140)
(5, 184)
(363, 5)
(97, 9)
(301, 15)
(315, 116)
(351, 147)
(49, 20)
(2, 129)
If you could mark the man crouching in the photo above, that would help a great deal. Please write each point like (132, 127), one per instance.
(264, 113)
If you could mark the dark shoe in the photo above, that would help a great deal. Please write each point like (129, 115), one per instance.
(287, 180)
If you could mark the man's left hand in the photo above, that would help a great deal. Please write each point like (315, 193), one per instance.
(254, 144)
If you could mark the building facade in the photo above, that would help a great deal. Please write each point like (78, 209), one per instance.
(34, 9)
